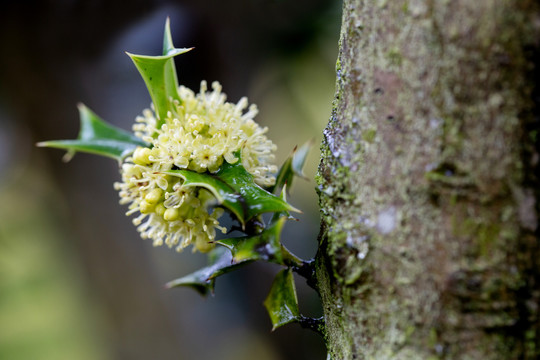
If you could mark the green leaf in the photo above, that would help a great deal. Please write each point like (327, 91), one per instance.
(203, 279)
(98, 137)
(285, 175)
(282, 303)
(235, 189)
(264, 246)
(159, 74)
(171, 80)
(293, 165)
(282, 214)
(299, 158)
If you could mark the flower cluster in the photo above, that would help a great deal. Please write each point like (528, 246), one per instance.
(199, 133)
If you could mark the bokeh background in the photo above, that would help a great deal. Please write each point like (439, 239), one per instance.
(76, 281)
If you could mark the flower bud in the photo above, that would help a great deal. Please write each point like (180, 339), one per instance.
(153, 196)
(171, 214)
(141, 156)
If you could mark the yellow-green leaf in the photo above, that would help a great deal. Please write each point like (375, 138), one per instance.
(282, 303)
(159, 75)
(293, 165)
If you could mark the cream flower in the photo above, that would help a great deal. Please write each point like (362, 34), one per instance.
(199, 133)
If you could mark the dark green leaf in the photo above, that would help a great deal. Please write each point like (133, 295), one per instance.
(159, 74)
(285, 175)
(235, 189)
(98, 137)
(264, 246)
(282, 214)
(282, 303)
(203, 279)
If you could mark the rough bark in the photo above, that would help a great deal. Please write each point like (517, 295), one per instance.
(429, 239)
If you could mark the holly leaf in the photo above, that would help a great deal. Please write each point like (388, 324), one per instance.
(97, 137)
(282, 214)
(235, 189)
(299, 158)
(203, 280)
(282, 303)
(293, 165)
(159, 75)
(264, 246)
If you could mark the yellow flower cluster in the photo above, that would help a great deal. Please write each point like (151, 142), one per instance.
(200, 132)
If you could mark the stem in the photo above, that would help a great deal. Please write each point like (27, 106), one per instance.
(315, 324)
(307, 271)
(304, 268)
(254, 226)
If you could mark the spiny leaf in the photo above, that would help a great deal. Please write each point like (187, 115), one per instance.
(159, 75)
(264, 246)
(203, 279)
(235, 189)
(285, 174)
(282, 303)
(98, 137)
(171, 80)
(293, 165)
(299, 158)
(282, 214)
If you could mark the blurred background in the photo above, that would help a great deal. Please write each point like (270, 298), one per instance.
(76, 281)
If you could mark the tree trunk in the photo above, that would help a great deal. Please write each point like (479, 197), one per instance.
(429, 196)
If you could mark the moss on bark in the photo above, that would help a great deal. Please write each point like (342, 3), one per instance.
(429, 237)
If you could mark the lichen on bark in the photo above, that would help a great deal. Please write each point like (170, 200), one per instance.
(429, 202)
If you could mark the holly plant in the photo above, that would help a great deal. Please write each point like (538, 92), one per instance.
(191, 158)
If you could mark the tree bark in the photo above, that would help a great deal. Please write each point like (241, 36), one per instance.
(428, 188)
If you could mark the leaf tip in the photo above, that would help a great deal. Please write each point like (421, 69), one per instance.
(292, 208)
(179, 51)
(131, 55)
